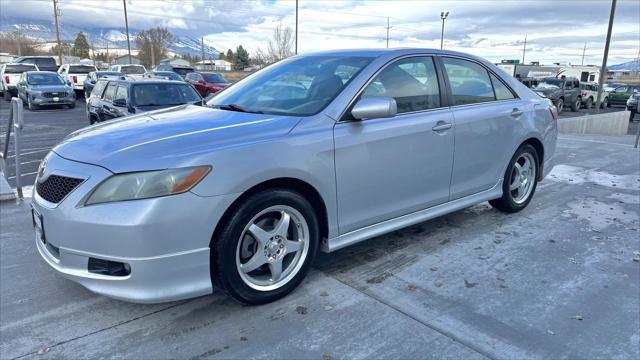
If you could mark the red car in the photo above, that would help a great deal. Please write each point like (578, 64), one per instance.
(207, 83)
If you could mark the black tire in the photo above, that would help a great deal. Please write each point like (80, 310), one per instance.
(6, 95)
(560, 105)
(608, 104)
(605, 103)
(506, 203)
(575, 106)
(224, 271)
(589, 103)
(72, 105)
(31, 105)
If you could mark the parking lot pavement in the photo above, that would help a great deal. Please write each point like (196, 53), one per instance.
(43, 129)
(557, 280)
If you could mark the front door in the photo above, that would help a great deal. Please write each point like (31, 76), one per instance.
(390, 167)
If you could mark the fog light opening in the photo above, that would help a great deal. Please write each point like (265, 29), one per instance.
(107, 267)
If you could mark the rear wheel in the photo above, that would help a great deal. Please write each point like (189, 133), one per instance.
(560, 105)
(520, 181)
(589, 103)
(266, 248)
(575, 106)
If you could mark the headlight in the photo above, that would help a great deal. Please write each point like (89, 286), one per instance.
(147, 184)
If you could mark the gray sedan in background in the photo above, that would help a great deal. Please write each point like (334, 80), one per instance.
(242, 194)
(44, 88)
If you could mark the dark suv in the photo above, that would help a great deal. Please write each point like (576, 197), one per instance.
(44, 63)
(112, 98)
(561, 91)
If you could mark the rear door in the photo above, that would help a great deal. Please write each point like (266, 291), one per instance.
(390, 167)
(487, 114)
(106, 110)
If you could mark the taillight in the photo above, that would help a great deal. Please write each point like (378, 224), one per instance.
(554, 112)
(7, 79)
(583, 94)
(75, 79)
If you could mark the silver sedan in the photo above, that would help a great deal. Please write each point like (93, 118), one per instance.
(313, 153)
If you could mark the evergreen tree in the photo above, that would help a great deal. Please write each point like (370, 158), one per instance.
(81, 46)
(242, 58)
(230, 57)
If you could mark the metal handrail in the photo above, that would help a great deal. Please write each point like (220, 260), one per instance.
(16, 124)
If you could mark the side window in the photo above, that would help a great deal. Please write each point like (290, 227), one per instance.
(501, 90)
(122, 93)
(110, 93)
(189, 77)
(412, 82)
(97, 90)
(621, 89)
(469, 81)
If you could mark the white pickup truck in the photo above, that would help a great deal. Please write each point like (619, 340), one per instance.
(9, 76)
(133, 71)
(589, 93)
(75, 74)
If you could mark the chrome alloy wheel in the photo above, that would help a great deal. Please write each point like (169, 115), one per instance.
(273, 247)
(523, 177)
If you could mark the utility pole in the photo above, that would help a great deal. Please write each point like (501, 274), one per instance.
(583, 51)
(18, 45)
(108, 61)
(603, 69)
(296, 27)
(202, 46)
(126, 27)
(55, 21)
(388, 27)
(443, 16)
(524, 48)
(153, 55)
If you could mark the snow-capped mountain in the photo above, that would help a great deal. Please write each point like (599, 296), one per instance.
(99, 38)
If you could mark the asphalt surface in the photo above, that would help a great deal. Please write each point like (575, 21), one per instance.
(558, 280)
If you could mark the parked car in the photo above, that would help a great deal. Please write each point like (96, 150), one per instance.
(621, 94)
(611, 86)
(133, 71)
(9, 77)
(243, 193)
(180, 70)
(112, 98)
(44, 88)
(632, 104)
(44, 63)
(529, 82)
(167, 75)
(76, 74)
(589, 95)
(207, 83)
(93, 77)
(561, 91)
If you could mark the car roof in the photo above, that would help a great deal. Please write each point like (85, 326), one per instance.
(145, 81)
(40, 72)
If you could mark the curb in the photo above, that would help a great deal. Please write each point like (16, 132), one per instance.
(7, 193)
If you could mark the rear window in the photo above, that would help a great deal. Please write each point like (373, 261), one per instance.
(182, 71)
(18, 69)
(45, 62)
(132, 69)
(215, 78)
(81, 69)
(163, 94)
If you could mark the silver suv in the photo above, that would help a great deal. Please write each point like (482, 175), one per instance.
(313, 153)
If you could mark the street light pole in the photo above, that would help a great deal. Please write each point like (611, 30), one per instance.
(55, 18)
(296, 27)
(603, 69)
(126, 27)
(443, 16)
(524, 48)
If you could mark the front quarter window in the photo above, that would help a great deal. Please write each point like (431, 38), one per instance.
(299, 86)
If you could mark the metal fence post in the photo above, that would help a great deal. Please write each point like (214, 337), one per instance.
(18, 117)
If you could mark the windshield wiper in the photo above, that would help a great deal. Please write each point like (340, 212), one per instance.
(238, 108)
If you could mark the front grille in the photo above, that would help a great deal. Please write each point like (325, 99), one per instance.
(55, 188)
(54, 94)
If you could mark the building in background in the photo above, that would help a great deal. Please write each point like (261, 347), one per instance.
(629, 70)
(7, 58)
(175, 62)
(214, 65)
(124, 59)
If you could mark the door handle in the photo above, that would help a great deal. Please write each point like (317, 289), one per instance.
(441, 126)
(516, 112)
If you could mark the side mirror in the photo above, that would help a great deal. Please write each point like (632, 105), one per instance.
(120, 102)
(92, 81)
(374, 108)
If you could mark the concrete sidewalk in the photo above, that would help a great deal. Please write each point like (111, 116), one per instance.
(558, 280)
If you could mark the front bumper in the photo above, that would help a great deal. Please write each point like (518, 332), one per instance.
(43, 101)
(165, 241)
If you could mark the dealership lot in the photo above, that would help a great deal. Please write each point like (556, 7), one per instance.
(560, 279)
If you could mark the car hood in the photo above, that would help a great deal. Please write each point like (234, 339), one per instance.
(50, 88)
(178, 136)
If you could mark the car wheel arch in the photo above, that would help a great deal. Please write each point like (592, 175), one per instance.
(286, 183)
(537, 144)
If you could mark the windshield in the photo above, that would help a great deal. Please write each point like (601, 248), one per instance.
(298, 86)
(81, 69)
(214, 78)
(551, 83)
(164, 94)
(18, 69)
(108, 73)
(44, 79)
(132, 69)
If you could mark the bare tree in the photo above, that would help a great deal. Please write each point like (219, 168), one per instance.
(19, 44)
(152, 45)
(279, 46)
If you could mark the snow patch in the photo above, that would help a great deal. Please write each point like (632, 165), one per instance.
(578, 175)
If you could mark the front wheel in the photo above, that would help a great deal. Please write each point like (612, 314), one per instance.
(575, 106)
(605, 103)
(72, 105)
(560, 105)
(589, 103)
(520, 181)
(31, 105)
(266, 247)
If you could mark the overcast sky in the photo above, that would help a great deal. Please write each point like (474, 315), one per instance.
(556, 30)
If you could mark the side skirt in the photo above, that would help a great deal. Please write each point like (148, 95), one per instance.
(403, 221)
